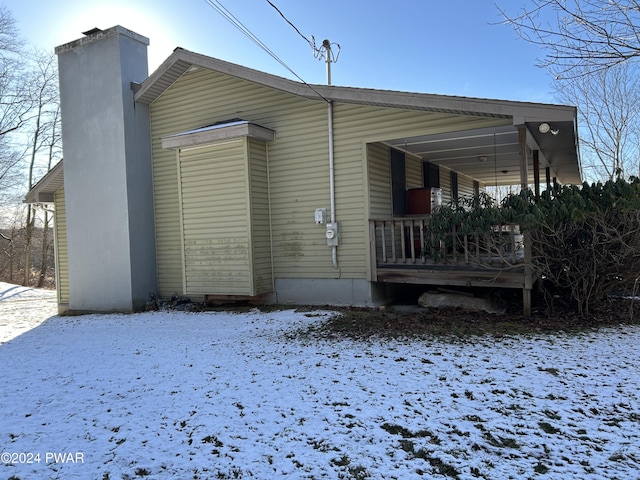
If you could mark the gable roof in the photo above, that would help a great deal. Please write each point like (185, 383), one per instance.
(181, 60)
(559, 152)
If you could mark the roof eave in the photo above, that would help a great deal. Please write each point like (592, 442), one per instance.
(44, 190)
(182, 60)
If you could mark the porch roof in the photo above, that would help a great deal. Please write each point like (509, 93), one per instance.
(490, 155)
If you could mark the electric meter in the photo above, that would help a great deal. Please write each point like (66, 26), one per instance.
(333, 234)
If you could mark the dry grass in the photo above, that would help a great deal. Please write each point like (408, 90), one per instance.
(389, 322)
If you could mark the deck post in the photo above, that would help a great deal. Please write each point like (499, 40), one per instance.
(393, 241)
(373, 248)
(403, 248)
(526, 302)
(412, 241)
(384, 243)
(423, 253)
(528, 276)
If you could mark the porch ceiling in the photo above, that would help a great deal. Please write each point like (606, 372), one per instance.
(491, 154)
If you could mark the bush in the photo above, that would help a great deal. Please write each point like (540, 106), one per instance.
(584, 240)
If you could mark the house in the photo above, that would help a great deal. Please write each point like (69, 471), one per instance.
(215, 181)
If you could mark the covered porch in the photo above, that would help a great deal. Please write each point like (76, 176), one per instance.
(536, 149)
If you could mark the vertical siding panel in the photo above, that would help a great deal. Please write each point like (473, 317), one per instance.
(167, 221)
(60, 242)
(215, 220)
(379, 180)
(414, 171)
(445, 184)
(260, 224)
(465, 186)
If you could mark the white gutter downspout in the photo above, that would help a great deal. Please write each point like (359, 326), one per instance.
(332, 187)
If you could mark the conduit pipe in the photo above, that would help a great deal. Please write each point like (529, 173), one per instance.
(332, 186)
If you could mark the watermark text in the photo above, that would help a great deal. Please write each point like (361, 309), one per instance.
(13, 458)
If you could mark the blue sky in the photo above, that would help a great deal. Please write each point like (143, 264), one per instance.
(457, 47)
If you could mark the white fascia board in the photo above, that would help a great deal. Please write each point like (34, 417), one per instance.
(217, 133)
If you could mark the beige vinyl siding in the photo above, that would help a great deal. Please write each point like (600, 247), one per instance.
(379, 181)
(413, 166)
(465, 186)
(445, 185)
(215, 220)
(298, 168)
(60, 245)
(354, 127)
(260, 226)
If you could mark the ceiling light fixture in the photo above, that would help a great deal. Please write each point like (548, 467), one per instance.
(546, 128)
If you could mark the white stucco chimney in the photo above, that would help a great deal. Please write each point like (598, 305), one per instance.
(107, 171)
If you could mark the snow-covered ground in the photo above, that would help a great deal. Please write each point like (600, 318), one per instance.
(22, 309)
(171, 395)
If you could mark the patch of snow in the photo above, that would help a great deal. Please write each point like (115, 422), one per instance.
(23, 308)
(233, 395)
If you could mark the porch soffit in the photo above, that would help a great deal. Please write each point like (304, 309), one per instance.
(492, 156)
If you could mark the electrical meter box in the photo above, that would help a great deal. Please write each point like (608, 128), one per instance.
(333, 234)
(321, 216)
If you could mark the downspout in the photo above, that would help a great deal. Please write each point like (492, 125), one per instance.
(332, 187)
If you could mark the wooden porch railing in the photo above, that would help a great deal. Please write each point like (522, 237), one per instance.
(405, 241)
(402, 252)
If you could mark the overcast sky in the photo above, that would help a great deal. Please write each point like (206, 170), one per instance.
(457, 47)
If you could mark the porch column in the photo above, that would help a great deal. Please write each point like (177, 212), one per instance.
(547, 172)
(524, 169)
(536, 172)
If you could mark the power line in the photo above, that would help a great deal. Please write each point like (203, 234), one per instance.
(318, 52)
(227, 15)
(292, 25)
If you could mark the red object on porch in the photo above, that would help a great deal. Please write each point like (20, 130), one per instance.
(418, 201)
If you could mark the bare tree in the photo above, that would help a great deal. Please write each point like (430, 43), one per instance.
(15, 106)
(591, 35)
(54, 141)
(44, 137)
(609, 116)
(29, 146)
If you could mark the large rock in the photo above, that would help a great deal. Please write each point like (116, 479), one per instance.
(460, 300)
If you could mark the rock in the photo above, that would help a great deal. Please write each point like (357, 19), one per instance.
(459, 300)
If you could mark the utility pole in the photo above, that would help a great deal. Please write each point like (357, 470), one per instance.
(327, 47)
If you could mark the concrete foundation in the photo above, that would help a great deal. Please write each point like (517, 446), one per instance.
(336, 292)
